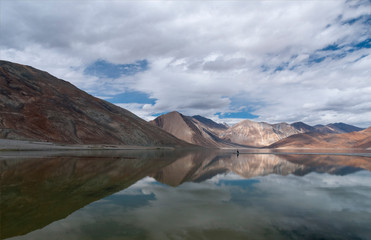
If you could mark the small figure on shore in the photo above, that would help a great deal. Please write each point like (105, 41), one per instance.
(238, 153)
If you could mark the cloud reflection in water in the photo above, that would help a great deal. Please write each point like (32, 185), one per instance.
(315, 206)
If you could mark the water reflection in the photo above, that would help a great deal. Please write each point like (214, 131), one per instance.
(218, 196)
(38, 191)
(199, 166)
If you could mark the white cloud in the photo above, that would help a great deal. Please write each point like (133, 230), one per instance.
(139, 110)
(203, 54)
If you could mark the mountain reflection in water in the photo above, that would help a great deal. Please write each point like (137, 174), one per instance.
(218, 195)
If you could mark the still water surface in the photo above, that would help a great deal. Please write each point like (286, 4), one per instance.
(185, 195)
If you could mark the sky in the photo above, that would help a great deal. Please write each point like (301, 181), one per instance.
(272, 61)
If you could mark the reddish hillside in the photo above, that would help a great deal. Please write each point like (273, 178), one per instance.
(37, 106)
(361, 139)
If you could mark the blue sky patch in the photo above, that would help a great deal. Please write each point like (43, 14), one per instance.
(241, 108)
(104, 69)
(132, 97)
(331, 47)
(242, 114)
(334, 51)
(363, 44)
(364, 19)
(159, 114)
(281, 67)
(314, 58)
(242, 183)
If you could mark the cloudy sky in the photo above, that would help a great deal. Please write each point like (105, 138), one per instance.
(270, 61)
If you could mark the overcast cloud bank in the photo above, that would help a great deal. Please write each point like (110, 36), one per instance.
(276, 60)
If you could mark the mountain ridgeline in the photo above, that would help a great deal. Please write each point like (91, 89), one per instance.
(35, 105)
(207, 133)
(360, 140)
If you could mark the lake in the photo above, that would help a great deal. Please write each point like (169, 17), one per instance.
(185, 195)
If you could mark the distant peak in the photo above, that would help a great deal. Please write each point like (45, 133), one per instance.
(246, 121)
(172, 113)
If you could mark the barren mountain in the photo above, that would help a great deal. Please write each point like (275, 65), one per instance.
(35, 105)
(361, 139)
(205, 132)
(337, 128)
(257, 134)
(196, 130)
(302, 127)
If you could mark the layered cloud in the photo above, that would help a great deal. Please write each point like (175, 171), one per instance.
(279, 61)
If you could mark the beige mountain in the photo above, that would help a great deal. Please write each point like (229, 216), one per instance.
(258, 134)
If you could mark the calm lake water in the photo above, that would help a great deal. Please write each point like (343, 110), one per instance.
(185, 195)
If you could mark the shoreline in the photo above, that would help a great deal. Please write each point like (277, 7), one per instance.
(7, 145)
(10, 145)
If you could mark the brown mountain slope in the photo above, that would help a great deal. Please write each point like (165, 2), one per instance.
(361, 139)
(257, 134)
(35, 105)
(191, 129)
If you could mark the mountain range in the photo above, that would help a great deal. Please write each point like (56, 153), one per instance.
(361, 139)
(207, 133)
(35, 105)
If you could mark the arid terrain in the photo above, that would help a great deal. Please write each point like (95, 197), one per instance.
(34, 105)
